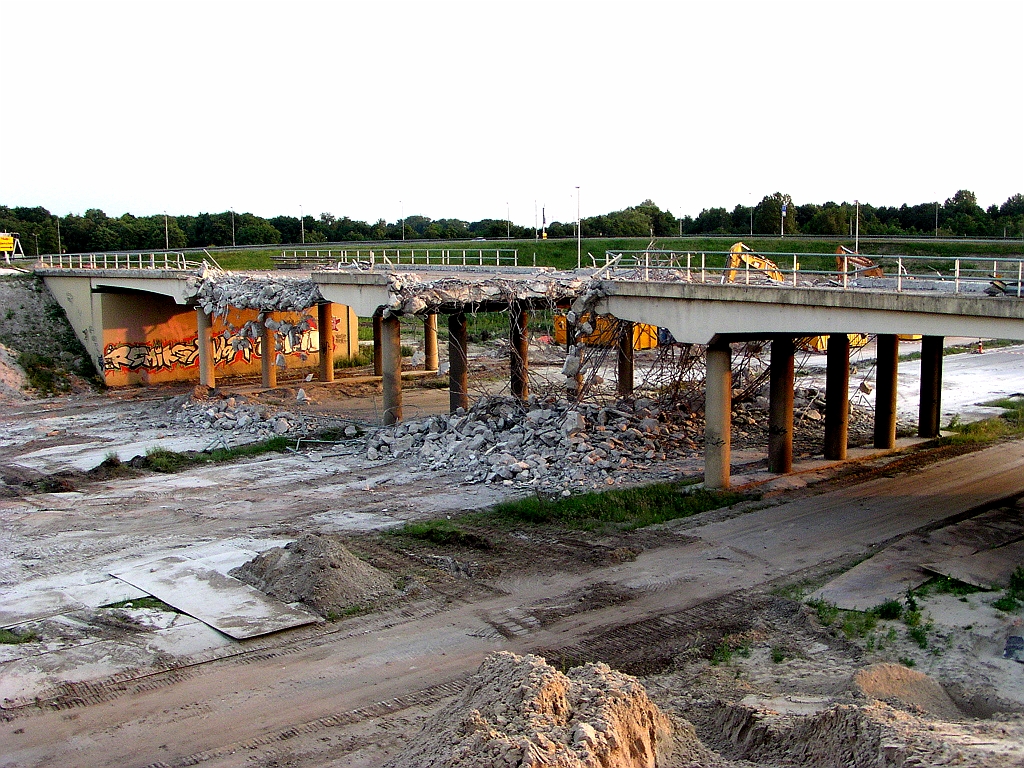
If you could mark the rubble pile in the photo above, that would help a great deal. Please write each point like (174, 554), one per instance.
(520, 711)
(412, 294)
(237, 414)
(549, 444)
(217, 292)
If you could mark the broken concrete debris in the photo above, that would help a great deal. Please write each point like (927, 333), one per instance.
(550, 444)
(237, 414)
(520, 711)
(553, 445)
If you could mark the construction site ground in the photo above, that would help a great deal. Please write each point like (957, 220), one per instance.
(705, 611)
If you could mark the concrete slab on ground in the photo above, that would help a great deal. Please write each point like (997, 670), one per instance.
(224, 603)
(890, 573)
(991, 568)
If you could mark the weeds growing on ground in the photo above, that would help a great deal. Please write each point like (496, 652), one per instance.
(443, 532)
(163, 460)
(626, 508)
(10, 637)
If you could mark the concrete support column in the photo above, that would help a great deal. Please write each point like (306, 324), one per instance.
(378, 365)
(204, 342)
(780, 409)
(325, 328)
(886, 369)
(837, 396)
(930, 408)
(268, 356)
(391, 358)
(519, 357)
(717, 416)
(458, 362)
(624, 360)
(430, 359)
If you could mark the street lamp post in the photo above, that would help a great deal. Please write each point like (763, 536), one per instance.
(232, 227)
(402, 205)
(508, 221)
(579, 233)
(856, 228)
(167, 235)
(302, 225)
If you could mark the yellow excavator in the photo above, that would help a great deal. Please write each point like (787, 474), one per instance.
(741, 257)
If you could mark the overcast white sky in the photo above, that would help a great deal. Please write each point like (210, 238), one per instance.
(375, 109)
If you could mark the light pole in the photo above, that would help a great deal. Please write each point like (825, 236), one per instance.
(856, 228)
(508, 221)
(167, 235)
(402, 205)
(59, 248)
(36, 236)
(936, 219)
(579, 233)
(232, 227)
(302, 225)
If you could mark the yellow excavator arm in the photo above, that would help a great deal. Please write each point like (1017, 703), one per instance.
(740, 255)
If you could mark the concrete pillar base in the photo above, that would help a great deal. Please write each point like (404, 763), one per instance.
(519, 357)
(837, 396)
(624, 360)
(430, 358)
(930, 410)
(458, 364)
(205, 343)
(268, 355)
(780, 412)
(886, 370)
(718, 416)
(325, 329)
(391, 357)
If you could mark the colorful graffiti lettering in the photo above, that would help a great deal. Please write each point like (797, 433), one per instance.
(157, 356)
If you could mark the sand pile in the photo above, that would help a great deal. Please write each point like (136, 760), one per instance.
(317, 571)
(12, 378)
(520, 711)
(905, 688)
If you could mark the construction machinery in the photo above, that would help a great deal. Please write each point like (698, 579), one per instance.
(742, 257)
(862, 265)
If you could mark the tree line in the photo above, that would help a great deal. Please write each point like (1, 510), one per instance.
(959, 216)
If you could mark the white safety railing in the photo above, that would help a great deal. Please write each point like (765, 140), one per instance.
(900, 273)
(158, 260)
(391, 257)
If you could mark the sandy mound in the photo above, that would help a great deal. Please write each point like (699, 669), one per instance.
(519, 711)
(905, 688)
(317, 571)
(12, 378)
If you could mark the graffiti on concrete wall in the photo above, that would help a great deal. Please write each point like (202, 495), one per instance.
(161, 356)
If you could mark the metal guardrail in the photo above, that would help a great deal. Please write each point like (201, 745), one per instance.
(168, 260)
(961, 273)
(390, 257)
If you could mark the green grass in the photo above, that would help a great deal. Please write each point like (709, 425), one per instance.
(143, 602)
(163, 460)
(944, 585)
(1014, 595)
(627, 508)
(10, 637)
(562, 253)
(443, 532)
(1008, 425)
(889, 610)
(43, 374)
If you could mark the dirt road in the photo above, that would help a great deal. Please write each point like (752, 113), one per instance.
(351, 691)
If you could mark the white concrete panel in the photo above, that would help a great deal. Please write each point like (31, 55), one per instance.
(226, 604)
